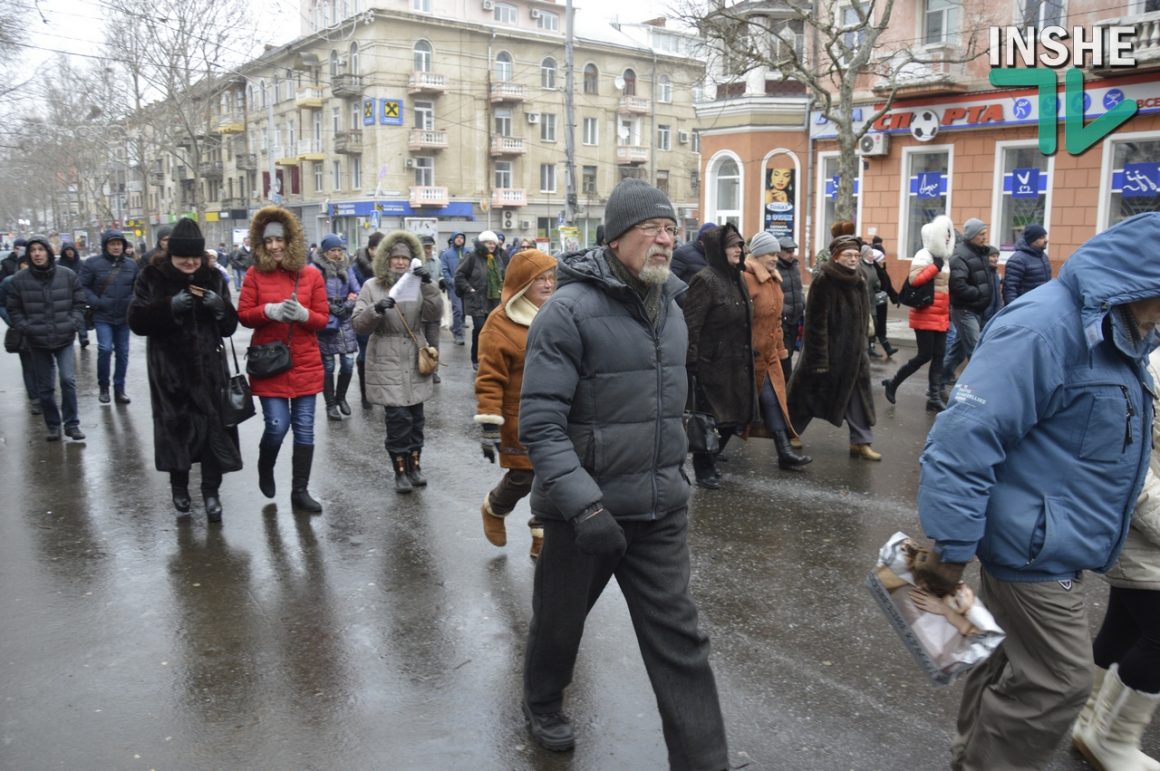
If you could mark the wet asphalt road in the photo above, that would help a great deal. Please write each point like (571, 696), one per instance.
(388, 634)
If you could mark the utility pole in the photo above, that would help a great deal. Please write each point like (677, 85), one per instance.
(569, 120)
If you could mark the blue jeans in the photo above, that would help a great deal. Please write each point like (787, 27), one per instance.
(112, 338)
(44, 363)
(345, 364)
(283, 414)
(239, 274)
(967, 325)
(456, 314)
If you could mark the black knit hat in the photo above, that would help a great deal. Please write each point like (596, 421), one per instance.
(186, 239)
(632, 202)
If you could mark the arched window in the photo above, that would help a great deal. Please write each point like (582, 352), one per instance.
(548, 73)
(727, 192)
(591, 79)
(265, 93)
(333, 64)
(353, 68)
(423, 54)
(664, 89)
(503, 66)
(629, 82)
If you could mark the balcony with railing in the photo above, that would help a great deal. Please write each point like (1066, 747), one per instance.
(436, 197)
(231, 123)
(422, 82)
(346, 85)
(631, 155)
(502, 145)
(634, 105)
(1145, 43)
(426, 139)
(157, 178)
(246, 161)
(311, 150)
(284, 156)
(348, 142)
(939, 68)
(210, 169)
(507, 91)
(308, 96)
(232, 203)
(508, 197)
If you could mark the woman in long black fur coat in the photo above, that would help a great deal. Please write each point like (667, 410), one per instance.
(182, 306)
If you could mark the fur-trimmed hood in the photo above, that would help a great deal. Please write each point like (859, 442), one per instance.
(383, 252)
(296, 256)
(521, 271)
(938, 236)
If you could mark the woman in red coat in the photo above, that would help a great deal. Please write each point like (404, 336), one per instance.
(284, 298)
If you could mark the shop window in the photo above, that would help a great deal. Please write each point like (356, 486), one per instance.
(1135, 184)
(1023, 196)
(927, 196)
(828, 193)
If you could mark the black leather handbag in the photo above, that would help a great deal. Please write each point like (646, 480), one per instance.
(700, 427)
(270, 359)
(916, 296)
(238, 400)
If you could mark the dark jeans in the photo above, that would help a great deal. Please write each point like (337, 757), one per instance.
(211, 477)
(968, 325)
(880, 324)
(29, 373)
(456, 314)
(514, 487)
(1130, 636)
(476, 326)
(345, 363)
(45, 364)
(283, 414)
(653, 575)
(112, 338)
(931, 347)
(789, 334)
(771, 409)
(404, 429)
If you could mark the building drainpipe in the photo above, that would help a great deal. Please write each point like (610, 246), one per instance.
(809, 181)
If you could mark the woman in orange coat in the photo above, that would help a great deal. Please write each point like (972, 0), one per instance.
(930, 324)
(284, 298)
(529, 281)
(763, 280)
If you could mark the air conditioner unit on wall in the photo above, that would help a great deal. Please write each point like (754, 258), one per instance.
(874, 144)
(489, 5)
(508, 219)
(683, 137)
(410, 163)
(525, 224)
(533, 117)
(534, 13)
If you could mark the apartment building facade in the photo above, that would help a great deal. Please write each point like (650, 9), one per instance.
(443, 117)
(951, 143)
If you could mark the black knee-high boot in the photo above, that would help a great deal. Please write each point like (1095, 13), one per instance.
(328, 397)
(340, 392)
(267, 457)
(299, 497)
(362, 384)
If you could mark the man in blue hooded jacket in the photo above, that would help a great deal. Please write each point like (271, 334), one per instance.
(448, 261)
(1035, 468)
(108, 280)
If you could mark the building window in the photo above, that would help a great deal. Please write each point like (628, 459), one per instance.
(591, 79)
(664, 89)
(424, 171)
(547, 177)
(318, 176)
(424, 115)
(421, 6)
(422, 55)
(1042, 13)
(628, 133)
(548, 73)
(828, 195)
(355, 173)
(695, 144)
(588, 180)
(335, 119)
(355, 116)
(787, 40)
(506, 14)
(1135, 175)
(849, 18)
(727, 182)
(503, 66)
(503, 174)
(664, 137)
(1022, 196)
(629, 82)
(942, 21)
(353, 68)
(548, 127)
(503, 121)
(265, 94)
(336, 178)
(663, 181)
(591, 134)
(549, 22)
(927, 194)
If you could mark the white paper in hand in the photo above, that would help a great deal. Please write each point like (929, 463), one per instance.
(407, 287)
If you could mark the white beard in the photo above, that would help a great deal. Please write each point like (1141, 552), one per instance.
(654, 275)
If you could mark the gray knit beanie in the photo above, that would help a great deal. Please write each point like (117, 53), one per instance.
(764, 243)
(972, 227)
(633, 201)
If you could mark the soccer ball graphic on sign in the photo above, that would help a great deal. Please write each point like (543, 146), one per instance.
(925, 126)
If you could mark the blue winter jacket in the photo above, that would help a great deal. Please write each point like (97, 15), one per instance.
(449, 259)
(1026, 269)
(110, 301)
(1036, 465)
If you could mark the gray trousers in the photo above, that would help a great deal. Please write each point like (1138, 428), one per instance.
(861, 432)
(1019, 704)
(968, 326)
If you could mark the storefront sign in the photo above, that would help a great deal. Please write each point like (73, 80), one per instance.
(396, 209)
(929, 184)
(1137, 180)
(368, 112)
(1022, 183)
(780, 196)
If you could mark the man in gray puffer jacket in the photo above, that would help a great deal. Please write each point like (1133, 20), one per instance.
(603, 396)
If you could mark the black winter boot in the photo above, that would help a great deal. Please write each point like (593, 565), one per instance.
(181, 500)
(934, 401)
(213, 505)
(890, 349)
(414, 473)
(302, 461)
(787, 458)
(891, 390)
(402, 481)
(340, 392)
(362, 384)
(704, 471)
(328, 397)
(267, 457)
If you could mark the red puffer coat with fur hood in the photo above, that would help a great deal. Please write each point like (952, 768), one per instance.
(938, 241)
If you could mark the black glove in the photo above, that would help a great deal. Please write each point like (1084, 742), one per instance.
(598, 534)
(215, 302)
(932, 574)
(938, 263)
(423, 274)
(336, 307)
(384, 305)
(442, 285)
(182, 302)
(489, 441)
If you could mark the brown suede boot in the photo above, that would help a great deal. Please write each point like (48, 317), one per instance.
(493, 524)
